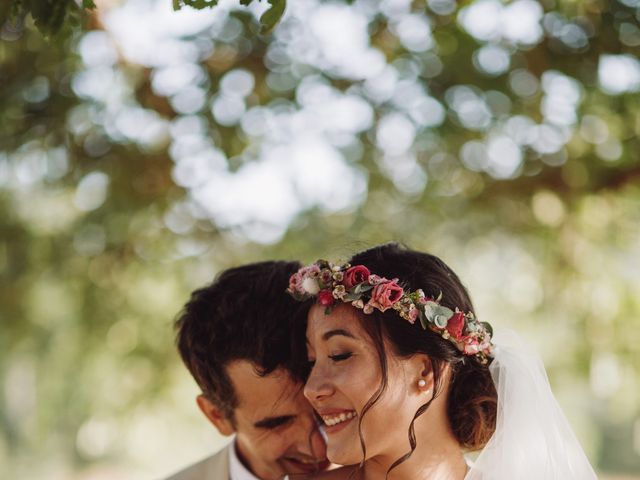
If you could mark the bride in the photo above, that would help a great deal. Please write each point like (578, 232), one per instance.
(406, 379)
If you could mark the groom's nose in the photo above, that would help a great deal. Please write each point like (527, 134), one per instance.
(316, 442)
(309, 439)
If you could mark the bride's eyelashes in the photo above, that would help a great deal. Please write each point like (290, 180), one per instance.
(339, 357)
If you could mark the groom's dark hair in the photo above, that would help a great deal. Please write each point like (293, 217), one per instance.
(244, 314)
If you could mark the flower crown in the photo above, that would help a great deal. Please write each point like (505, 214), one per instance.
(368, 292)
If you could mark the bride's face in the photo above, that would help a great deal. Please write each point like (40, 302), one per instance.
(345, 375)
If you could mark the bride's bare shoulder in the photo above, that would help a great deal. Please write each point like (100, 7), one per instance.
(342, 473)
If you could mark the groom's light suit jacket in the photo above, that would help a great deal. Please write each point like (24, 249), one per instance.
(215, 467)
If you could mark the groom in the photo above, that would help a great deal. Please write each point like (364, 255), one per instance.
(233, 336)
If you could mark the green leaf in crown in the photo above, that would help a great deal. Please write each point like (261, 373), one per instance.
(437, 314)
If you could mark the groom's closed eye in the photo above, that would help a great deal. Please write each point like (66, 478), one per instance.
(274, 422)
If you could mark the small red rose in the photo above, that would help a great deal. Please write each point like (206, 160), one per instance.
(455, 326)
(355, 275)
(325, 298)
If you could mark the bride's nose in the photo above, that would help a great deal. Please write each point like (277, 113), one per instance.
(318, 385)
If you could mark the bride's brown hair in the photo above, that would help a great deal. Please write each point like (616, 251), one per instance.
(472, 399)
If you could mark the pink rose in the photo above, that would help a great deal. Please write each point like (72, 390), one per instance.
(384, 295)
(471, 347)
(413, 315)
(455, 326)
(485, 346)
(310, 271)
(294, 283)
(355, 275)
(424, 300)
(325, 298)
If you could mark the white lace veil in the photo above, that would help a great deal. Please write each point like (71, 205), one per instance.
(533, 440)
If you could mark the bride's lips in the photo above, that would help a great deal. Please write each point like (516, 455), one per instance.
(335, 420)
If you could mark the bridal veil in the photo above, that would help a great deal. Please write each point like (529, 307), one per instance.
(533, 440)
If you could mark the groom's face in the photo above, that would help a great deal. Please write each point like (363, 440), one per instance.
(276, 431)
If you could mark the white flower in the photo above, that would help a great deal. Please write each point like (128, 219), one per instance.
(311, 286)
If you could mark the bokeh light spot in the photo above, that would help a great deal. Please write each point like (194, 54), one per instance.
(619, 74)
(91, 191)
(548, 208)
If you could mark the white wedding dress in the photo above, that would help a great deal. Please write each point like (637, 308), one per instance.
(533, 440)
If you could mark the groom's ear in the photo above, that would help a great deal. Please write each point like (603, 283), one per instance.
(215, 416)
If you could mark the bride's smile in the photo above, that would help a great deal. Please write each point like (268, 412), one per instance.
(335, 420)
(356, 402)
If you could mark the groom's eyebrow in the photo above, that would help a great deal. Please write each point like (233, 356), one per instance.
(339, 331)
(270, 423)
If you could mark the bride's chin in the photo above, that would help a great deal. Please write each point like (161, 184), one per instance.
(344, 452)
(341, 456)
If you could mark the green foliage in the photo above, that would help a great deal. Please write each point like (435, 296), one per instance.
(271, 17)
(268, 20)
(198, 4)
(49, 16)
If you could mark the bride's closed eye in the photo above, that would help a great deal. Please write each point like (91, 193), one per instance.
(339, 357)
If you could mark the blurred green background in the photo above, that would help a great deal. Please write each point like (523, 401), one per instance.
(143, 150)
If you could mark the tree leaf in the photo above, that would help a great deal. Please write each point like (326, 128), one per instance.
(197, 4)
(270, 18)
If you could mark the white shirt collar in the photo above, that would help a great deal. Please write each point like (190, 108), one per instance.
(237, 471)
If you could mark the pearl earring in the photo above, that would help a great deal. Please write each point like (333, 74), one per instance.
(422, 383)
